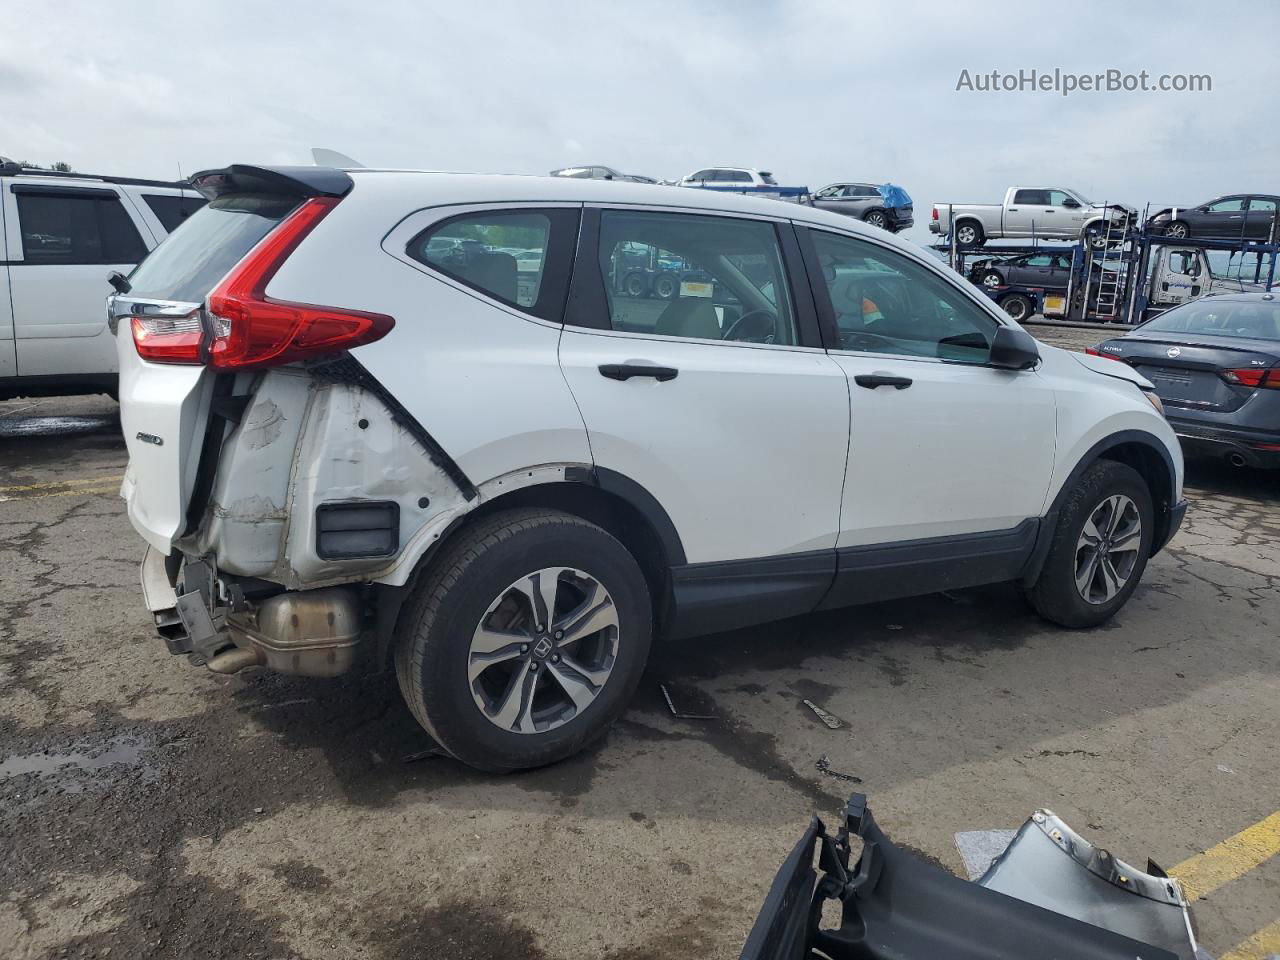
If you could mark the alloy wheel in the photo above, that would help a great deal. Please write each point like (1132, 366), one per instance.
(876, 220)
(966, 234)
(544, 650)
(1107, 550)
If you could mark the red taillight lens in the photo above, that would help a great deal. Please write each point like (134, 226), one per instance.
(168, 339)
(1253, 377)
(1095, 352)
(935, 213)
(250, 329)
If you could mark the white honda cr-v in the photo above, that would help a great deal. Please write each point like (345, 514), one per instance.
(384, 417)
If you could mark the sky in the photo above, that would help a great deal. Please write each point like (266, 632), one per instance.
(814, 91)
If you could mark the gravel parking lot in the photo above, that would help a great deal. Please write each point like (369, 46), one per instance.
(149, 808)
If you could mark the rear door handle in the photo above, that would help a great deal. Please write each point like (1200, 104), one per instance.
(625, 371)
(873, 380)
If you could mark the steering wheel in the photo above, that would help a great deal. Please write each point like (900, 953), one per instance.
(740, 329)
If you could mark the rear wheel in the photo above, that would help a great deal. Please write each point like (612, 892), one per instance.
(666, 286)
(1016, 305)
(525, 641)
(969, 234)
(1177, 230)
(634, 285)
(1099, 549)
(876, 218)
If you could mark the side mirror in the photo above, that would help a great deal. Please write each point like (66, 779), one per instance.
(1070, 204)
(1013, 349)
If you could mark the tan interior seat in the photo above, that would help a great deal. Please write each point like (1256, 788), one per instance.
(689, 317)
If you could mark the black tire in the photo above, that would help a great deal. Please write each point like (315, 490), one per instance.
(1178, 230)
(433, 635)
(1055, 595)
(666, 286)
(875, 217)
(969, 233)
(635, 284)
(1017, 306)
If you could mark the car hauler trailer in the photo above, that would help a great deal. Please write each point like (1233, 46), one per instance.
(1133, 275)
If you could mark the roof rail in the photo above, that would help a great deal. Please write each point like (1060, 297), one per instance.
(11, 168)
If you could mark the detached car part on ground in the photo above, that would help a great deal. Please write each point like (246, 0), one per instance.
(1049, 894)
(513, 486)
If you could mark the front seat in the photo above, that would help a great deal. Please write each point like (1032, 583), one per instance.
(689, 317)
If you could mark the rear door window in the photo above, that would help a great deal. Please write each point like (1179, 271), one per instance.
(171, 210)
(190, 262)
(518, 257)
(73, 226)
(712, 278)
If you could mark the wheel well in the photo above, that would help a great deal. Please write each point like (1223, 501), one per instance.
(1153, 469)
(607, 511)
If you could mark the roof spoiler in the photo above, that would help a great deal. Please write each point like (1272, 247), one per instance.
(291, 181)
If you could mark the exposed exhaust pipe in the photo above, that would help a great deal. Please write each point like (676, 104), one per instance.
(1237, 459)
(235, 660)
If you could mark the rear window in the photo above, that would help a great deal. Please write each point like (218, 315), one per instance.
(189, 263)
(1249, 319)
(171, 211)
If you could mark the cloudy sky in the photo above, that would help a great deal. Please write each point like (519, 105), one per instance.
(815, 91)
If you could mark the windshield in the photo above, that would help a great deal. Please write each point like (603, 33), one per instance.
(193, 258)
(1079, 196)
(1249, 319)
(768, 178)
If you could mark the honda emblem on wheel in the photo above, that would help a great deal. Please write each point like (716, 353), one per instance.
(1173, 351)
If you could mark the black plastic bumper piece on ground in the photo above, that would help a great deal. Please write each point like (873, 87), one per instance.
(896, 907)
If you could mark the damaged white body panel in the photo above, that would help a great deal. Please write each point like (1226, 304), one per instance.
(303, 442)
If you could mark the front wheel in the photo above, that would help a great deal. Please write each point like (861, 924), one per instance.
(1099, 548)
(525, 641)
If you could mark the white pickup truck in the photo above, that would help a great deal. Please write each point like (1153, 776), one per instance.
(1040, 212)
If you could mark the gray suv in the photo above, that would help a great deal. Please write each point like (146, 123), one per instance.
(865, 202)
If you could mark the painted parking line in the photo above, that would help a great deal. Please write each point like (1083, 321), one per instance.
(50, 484)
(1264, 943)
(112, 486)
(1219, 865)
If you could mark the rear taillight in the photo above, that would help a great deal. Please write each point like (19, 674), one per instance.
(1095, 352)
(1253, 377)
(935, 213)
(243, 327)
(168, 339)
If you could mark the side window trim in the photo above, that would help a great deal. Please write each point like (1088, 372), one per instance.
(826, 310)
(588, 301)
(558, 258)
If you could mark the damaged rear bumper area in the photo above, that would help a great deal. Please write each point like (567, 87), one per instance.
(314, 633)
(1049, 894)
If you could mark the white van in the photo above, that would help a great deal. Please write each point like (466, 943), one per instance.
(63, 235)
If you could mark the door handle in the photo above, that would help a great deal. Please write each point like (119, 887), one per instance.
(625, 371)
(1013, 209)
(873, 380)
